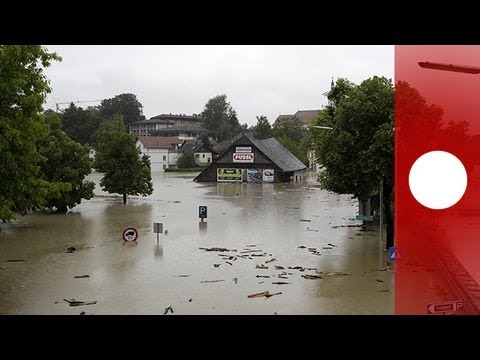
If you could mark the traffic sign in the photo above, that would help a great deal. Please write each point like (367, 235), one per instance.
(365, 217)
(445, 307)
(202, 212)
(393, 253)
(130, 234)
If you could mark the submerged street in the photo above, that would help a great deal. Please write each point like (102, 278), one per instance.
(294, 241)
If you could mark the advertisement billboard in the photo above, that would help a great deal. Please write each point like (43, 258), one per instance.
(254, 175)
(268, 175)
(231, 175)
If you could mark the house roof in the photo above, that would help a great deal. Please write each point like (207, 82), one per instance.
(305, 116)
(193, 117)
(284, 159)
(193, 146)
(159, 142)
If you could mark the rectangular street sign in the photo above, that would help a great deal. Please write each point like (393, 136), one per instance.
(158, 228)
(445, 307)
(202, 212)
(365, 217)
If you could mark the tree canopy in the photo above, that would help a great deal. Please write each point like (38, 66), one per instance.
(125, 170)
(358, 152)
(23, 89)
(66, 164)
(81, 124)
(221, 118)
(125, 105)
(290, 132)
(262, 129)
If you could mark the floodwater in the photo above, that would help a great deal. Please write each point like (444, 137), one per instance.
(146, 277)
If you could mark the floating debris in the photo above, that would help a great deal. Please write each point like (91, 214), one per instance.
(311, 269)
(262, 294)
(261, 266)
(277, 267)
(312, 277)
(190, 300)
(181, 275)
(336, 273)
(235, 280)
(216, 265)
(383, 290)
(71, 249)
(251, 245)
(264, 254)
(167, 309)
(15, 260)
(229, 263)
(351, 225)
(215, 249)
(3, 267)
(271, 260)
(282, 277)
(327, 248)
(308, 229)
(250, 251)
(211, 281)
(302, 247)
(262, 276)
(332, 245)
(379, 269)
(280, 283)
(296, 268)
(378, 280)
(261, 282)
(81, 276)
(73, 302)
(305, 220)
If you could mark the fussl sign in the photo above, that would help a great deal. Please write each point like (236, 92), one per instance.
(243, 157)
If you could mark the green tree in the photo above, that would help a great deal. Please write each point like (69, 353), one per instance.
(205, 139)
(358, 152)
(220, 117)
(125, 105)
(263, 129)
(23, 89)
(81, 124)
(125, 170)
(290, 132)
(186, 160)
(67, 163)
(290, 127)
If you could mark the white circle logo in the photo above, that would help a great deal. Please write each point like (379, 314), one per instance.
(438, 180)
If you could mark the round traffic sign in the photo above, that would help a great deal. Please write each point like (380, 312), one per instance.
(130, 234)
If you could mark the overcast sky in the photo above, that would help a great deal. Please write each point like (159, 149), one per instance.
(258, 80)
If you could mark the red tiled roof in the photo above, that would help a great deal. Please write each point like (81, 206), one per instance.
(159, 142)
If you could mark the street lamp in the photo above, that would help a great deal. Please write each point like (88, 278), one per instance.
(323, 127)
(449, 67)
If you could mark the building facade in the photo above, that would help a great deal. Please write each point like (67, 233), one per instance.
(162, 151)
(147, 127)
(249, 159)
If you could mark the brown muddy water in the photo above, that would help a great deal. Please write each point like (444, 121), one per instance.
(144, 277)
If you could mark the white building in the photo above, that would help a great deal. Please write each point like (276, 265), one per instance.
(163, 151)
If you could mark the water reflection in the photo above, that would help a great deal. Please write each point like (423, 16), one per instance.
(158, 250)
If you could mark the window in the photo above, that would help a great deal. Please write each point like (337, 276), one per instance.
(164, 158)
(164, 166)
(203, 155)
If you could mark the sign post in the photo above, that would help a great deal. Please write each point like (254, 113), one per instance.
(202, 212)
(130, 234)
(158, 229)
(445, 307)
